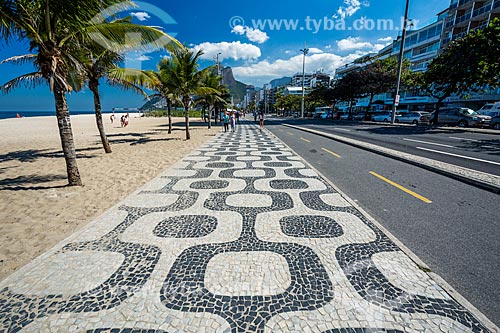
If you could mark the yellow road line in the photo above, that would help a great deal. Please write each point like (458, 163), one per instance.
(305, 140)
(331, 152)
(290, 133)
(404, 189)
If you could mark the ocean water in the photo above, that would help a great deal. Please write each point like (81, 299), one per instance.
(12, 114)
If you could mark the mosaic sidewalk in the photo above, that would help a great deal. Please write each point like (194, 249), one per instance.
(240, 236)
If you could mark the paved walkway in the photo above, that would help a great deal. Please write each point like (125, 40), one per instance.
(240, 236)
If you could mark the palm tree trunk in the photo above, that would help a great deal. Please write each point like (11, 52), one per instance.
(94, 87)
(186, 117)
(66, 134)
(210, 116)
(370, 103)
(169, 114)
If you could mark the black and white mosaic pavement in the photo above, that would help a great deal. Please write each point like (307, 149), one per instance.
(240, 236)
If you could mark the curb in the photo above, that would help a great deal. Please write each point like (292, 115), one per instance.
(374, 123)
(452, 292)
(478, 179)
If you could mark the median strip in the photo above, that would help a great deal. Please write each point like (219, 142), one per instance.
(402, 188)
(331, 152)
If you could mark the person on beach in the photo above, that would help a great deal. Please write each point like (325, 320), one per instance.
(233, 121)
(261, 120)
(125, 120)
(112, 117)
(226, 122)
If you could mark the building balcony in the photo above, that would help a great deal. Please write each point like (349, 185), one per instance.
(464, 2)
(463, 18)
(482, 10)
(419, 57)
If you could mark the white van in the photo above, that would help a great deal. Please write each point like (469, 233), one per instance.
(490, 109)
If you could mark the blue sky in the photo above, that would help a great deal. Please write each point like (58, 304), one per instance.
(336, 32)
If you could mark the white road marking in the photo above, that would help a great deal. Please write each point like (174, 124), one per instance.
(342, 129)
(461, 156)
(430, 143)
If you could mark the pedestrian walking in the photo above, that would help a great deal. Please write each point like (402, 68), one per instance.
(261, 120)
(226, 121)
(233, 121)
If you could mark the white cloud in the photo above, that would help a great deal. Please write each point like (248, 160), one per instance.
(386, 39)
(350, 8)
(264, 71)
(141, 16)
(355, 43)
(143, 58)
(233, 50)
(253, 35)
(315, 50)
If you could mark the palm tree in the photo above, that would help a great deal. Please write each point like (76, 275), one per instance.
(99, 62)
(54, 29)
(162, 83)
(211, 99)
(187, 78)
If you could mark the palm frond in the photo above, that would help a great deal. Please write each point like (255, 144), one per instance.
(29, 80)
(131, 79)
(114, 36)
(20, 60)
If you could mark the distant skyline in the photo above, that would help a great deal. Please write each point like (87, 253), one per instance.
(260, 40)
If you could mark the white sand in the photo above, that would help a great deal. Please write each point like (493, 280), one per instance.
(37, 209)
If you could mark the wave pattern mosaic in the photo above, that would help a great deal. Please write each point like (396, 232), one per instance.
(240, 236)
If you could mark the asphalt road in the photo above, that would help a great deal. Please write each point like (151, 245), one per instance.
(457, 234)
(476, 151)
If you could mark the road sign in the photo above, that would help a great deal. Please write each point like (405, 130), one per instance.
(396, 101)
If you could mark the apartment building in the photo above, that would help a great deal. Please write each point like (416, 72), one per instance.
(424, 44)
(464, 16)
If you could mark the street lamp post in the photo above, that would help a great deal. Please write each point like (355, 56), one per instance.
(302, 104)
(400, 65)
(218, 63)
(220, 81)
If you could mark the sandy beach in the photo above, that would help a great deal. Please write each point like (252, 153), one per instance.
(37, 209)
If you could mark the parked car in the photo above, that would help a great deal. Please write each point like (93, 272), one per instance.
(383, 116)
(489, 113)
(495, 122)
(415, 118)
(359, 116)
(490, 109)
(462, 117)
(339, 114)
(326, 115)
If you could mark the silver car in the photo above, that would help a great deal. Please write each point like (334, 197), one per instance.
(462, 117)
(383, 116)
(415, 118)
